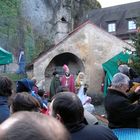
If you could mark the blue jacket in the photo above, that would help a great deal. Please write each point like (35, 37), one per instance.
(27, 86)
(4, 109)
(24, 85)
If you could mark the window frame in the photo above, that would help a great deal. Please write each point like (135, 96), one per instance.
(111, 27)
(132, 24)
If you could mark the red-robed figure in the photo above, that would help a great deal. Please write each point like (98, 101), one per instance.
(68, 79)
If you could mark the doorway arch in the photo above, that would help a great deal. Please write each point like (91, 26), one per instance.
(74, 63)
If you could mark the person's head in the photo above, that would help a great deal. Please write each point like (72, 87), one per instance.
(55, 74)
(24, 85)
(22, 52)
(5, 86)
(66, 69)
(120, 81)
(41, 92)
(80, 78)
(24, 102)
(67, 107)
(124, 69)
(32, 126)
(81, 75)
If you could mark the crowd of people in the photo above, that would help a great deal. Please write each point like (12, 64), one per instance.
(122, 101)
(31, 114)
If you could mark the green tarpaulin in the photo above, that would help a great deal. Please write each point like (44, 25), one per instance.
(5, 57)
(111, 67)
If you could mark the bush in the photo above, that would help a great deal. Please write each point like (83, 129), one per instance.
(14, 77)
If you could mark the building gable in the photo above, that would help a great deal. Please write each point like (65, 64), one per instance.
(89, 45)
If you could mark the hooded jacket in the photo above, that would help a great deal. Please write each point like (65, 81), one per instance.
(26, 85)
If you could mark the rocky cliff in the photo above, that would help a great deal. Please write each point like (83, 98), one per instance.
(36, 24)
(52, 17)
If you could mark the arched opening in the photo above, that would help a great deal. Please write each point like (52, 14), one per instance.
(72, 61)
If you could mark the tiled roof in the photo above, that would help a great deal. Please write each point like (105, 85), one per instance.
(120, 14)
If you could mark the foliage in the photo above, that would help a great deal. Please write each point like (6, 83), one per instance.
(8, 23)
(18, 34)
(8, 17)
(135, 58)
(90, 4)
(8, 8)
(34, 44)
(14, 77)
(80, 7)
(29, 44)
(40, 45)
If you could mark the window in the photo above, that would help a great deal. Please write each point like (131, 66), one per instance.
(131, 25)
(111, 27)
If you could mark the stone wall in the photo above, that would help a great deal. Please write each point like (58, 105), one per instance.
(92, 47)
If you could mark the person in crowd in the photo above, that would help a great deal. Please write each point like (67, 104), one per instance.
(26, 85)
(35, 87)
(125, 69)
(67, 79)
(24, 102)
(85, 99)
(80, 80)
(32, 126)
(21, 63)
(41, 93)
(81, 88)
(5, 93)
(134, 78)
(67, 107)
(120, 107)
(55, 84)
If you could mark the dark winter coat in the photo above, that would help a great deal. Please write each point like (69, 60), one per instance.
(92, 132)
(55, 84)
(121, 111)
(4, 109)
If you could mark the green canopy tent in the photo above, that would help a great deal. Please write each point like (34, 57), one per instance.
(111, 67)
(5, 57)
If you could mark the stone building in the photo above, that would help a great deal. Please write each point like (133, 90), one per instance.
(84, 49)
(120, 20)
